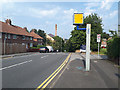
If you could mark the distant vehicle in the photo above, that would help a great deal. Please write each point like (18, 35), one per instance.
(83, 49)
(50, 48)
(43, 49)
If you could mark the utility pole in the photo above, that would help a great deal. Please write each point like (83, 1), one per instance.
(88, 32)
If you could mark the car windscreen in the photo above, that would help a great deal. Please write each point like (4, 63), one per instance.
(83, 47)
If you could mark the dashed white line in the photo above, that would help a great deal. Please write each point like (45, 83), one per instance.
(44, 56)
(15, 65)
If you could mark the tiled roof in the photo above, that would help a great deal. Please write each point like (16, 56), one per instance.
(51, 35)
(4, 27)
(35, 35)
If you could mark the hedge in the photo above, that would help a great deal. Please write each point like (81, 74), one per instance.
(113, 48)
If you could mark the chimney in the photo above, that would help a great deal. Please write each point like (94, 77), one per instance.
(8, 21)
(55, 29)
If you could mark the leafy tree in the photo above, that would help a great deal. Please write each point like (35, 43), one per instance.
(105, 35)
(58, 44)
(40, 33)
(79, 37)
(113, 33)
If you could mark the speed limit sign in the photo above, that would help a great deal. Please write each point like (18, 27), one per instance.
(98, 37)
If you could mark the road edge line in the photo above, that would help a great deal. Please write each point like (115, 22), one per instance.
(53, 74)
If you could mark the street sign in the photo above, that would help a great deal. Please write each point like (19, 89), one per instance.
(77, 18)
(98, 37)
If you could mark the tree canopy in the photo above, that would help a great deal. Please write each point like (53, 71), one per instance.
(79, 36)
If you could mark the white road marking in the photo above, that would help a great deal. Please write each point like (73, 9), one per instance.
(44, 56)
(15, 65)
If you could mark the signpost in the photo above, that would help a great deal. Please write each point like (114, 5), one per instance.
(88, 31)
(78, 20)
(98, 40)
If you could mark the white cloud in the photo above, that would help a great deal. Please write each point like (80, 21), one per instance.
(36, 12)
(114, 13)
(106, 4)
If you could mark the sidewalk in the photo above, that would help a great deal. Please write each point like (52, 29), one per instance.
(102, 74)
(18, 54)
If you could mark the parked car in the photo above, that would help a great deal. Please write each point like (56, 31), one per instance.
(43, 49)
(50, 48)
(83, 49)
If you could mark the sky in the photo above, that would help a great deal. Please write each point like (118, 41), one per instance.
(44, 15)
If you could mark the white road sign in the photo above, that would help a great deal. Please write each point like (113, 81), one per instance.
(98, 37)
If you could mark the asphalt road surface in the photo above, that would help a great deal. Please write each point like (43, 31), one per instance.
(31, 70)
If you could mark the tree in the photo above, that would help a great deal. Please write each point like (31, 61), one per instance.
(40, 33)
(113, 33)
(58, 44)
(79, 37)
(105, 35)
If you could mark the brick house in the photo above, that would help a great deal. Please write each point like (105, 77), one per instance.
(37, 40)
(14, 39)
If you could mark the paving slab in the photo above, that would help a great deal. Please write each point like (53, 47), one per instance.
(101, 75)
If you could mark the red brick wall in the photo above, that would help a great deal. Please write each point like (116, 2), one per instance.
(14, 45)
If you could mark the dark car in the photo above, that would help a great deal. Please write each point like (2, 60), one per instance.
(43, 49)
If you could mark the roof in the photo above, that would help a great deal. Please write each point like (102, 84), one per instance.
(35, 35)
(51, 35)
(12, 29)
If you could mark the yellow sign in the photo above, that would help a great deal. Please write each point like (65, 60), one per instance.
(78, 18)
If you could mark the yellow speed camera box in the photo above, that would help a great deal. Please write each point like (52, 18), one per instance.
(77, 18)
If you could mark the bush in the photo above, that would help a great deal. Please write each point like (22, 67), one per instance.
(34, 48)
(103, 51)
(38, 46)
(113, 48)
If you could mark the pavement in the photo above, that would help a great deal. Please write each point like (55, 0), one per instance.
(102, 74)
(29, 71)
(18, 54)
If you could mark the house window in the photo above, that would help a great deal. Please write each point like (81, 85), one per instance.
(31, 44)
(0, 35)
(23, 37)
(27, 38)
(14, 36)
(31, 38)
(8, 36)
(23, 43)
(5, 35)
(39, 43)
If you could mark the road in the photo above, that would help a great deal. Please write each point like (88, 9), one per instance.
(31, 70)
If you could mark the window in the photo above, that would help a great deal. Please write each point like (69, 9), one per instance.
(31, 38)
(31, 44)
(27, 38)
(23, 43)
(23, 37)
(5, 35)
(39, 43)
(0, 35)
(14, 36)
(8, 36)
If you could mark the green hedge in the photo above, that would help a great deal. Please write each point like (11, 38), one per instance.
(38, 46)
(113, 48)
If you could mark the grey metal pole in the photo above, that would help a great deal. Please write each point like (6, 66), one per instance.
(61, 44)
(98, 50)
(88, 31)
(4, 45)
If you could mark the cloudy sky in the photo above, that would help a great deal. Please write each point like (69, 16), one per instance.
(44, 15)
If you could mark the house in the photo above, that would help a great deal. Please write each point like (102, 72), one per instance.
(14, 39)
(104, 43)
(50, 37)
(37, 40)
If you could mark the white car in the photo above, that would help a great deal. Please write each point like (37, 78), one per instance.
(50, 48)
(83, 51)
